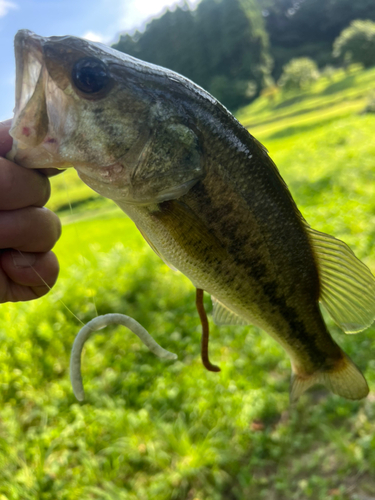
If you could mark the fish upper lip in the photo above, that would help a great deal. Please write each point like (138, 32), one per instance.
(29, 62)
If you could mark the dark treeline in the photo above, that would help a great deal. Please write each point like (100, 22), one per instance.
(308, 28)
(233, 48)
(222, 45)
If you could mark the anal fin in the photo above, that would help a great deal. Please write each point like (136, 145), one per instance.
(222, 315)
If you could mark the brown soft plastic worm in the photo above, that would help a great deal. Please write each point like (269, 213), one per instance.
(205, 332)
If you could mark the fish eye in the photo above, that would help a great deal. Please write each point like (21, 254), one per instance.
(90, 75)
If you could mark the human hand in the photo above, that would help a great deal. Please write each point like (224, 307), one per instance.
(28, 231)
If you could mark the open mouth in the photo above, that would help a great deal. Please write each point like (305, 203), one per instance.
(35, 138)
(53, 124)
(29, 62)
(30, 120)
(47, 114)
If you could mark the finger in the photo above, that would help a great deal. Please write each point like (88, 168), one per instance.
(5, 139)
(29, 229)
(21, 187)
(29, 275)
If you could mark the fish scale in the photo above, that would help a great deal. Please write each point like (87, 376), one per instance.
(249, 285)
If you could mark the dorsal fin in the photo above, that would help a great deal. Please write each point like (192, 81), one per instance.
(347, 285)
(222, 315)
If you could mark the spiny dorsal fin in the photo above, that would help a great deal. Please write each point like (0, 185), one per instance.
(222, 315)
(347, 285)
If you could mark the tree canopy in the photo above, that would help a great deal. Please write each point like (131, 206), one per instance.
(357, 43)
(298, 74)
(308, 28)
(233, 48)
(222, 45)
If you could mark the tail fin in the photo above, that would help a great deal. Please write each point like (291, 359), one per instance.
(345, 379)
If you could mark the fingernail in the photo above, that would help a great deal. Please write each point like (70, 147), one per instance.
(22, 260)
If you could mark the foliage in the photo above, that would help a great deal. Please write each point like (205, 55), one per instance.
(328, 72)
(158, 430)
(308, 28)
(357, 43)
(222, 45)
(298, 74)
(228, 46)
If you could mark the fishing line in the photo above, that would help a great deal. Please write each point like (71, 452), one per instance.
(67, 193)
(84, 261)
(41, 278)
(49, 288)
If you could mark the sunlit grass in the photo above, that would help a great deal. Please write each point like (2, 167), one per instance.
(325, 93)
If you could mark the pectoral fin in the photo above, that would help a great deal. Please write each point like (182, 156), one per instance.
(347, 285)
(169, 165)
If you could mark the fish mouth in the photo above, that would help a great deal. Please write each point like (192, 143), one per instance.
(30, 120)
(31, 124)
(54, 125)
(45, 112)
(29, 63)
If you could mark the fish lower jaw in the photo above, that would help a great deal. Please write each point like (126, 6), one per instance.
(112, 173)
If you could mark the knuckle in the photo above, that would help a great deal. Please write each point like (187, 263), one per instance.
(53, 226)
(45, 189)
(58, 226)
(7, 177)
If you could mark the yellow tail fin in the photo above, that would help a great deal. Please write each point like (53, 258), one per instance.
(345, 379)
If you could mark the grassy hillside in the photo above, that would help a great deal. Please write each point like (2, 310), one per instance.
(161, 430)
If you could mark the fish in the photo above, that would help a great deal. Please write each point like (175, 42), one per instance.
(203, 192)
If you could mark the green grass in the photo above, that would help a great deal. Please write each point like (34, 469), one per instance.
(152, 429)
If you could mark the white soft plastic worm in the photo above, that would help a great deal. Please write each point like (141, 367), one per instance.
(97, 324)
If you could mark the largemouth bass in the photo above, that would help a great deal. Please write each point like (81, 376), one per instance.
(203, 192)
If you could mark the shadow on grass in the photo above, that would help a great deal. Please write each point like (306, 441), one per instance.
(347, 82)
(292, 100)
(282, 104)
(312, 192)
(294, 129)
(300, 112)
(259, 472)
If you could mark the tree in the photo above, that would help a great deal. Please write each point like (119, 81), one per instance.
(299, 74)
(308, 28)
(356, 43)
(222, 45)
